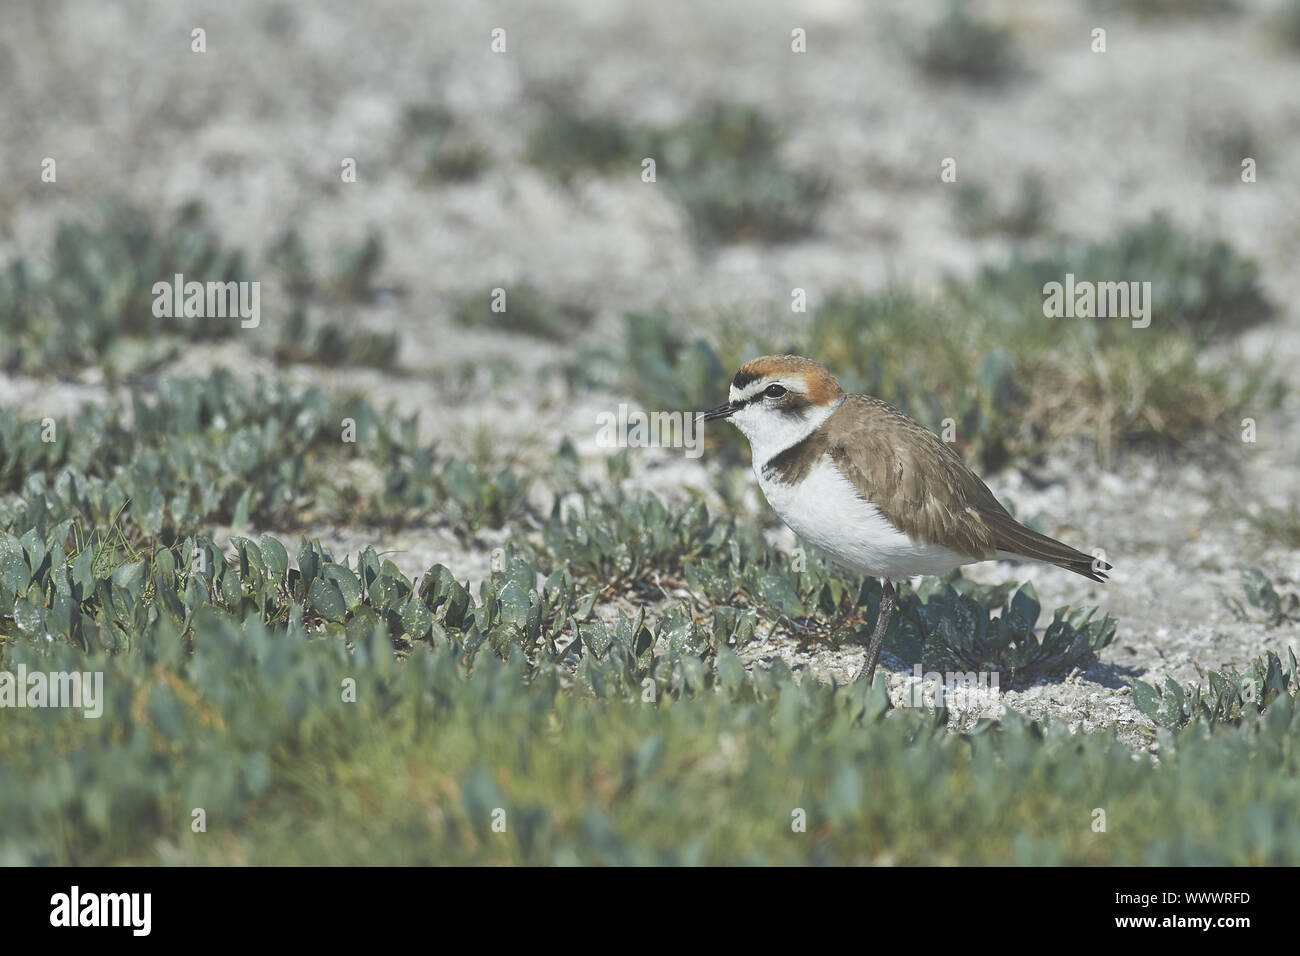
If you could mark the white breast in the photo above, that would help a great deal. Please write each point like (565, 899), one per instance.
(825, 510)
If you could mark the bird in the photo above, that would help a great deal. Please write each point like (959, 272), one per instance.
(875, 490)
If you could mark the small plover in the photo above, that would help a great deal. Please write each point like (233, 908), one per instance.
(879, 493)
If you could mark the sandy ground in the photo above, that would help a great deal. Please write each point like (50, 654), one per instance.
(256, 127)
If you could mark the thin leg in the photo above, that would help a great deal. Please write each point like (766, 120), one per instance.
(888, 604)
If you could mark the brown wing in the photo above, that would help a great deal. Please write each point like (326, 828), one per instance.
(922, 485)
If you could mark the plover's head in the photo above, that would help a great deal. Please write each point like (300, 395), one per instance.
(777, 400)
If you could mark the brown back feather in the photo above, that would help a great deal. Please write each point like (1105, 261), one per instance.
(926, 490)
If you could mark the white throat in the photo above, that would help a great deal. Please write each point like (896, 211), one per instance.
(770, 432)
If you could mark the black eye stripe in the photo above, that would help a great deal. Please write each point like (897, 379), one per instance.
(758, 396)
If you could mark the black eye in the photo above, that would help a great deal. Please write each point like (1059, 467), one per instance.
(774, 391)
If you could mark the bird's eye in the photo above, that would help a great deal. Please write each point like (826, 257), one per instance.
(774, 391)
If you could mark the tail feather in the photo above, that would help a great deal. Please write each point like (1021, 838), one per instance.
(1012, 536)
